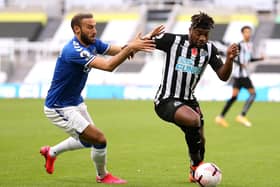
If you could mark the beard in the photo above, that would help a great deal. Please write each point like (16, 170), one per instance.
(200, 45)
(85, 39)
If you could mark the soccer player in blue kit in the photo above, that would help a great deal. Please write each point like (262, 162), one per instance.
(64, 105)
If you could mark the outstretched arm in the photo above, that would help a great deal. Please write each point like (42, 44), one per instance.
(257, 59)
(155, 32)
(114, 49)
(137, 44)
(225, 70)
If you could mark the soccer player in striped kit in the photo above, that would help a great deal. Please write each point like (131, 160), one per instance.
(64, 105)
(241, 79)
(186, 59)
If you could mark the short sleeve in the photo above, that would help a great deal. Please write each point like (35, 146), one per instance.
(101, 47)
(79, 55)
(215, 59)
(164, 41)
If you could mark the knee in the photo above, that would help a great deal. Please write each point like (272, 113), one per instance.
(253, 96)
(233, 98)
(100, 139)
(93, 135)
(195, 121)
(186, 117)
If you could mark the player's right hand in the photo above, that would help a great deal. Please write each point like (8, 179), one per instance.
(232, 51)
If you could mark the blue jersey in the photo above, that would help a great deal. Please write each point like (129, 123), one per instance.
(71, 73)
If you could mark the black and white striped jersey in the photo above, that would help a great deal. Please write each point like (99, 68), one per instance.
(184, 66)
(244, 58)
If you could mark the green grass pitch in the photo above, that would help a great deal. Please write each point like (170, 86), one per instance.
(141, 148)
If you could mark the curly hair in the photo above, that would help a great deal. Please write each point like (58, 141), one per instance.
(202, 20)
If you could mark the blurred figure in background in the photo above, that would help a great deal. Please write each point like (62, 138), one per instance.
(241, 79)
(64, 105)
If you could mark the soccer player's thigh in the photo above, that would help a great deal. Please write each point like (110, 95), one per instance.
(84, 112)
(237, 84)
(69, 119)
(186, 116)
(249, 85)
(84, 128)
(177, 112)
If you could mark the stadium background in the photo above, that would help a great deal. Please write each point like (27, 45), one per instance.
(33, 32)
(142, 148)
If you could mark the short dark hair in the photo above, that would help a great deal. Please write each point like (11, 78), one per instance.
(202, 20)
(77, 18)
(245, 27)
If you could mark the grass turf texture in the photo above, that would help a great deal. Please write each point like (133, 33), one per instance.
(141, 148)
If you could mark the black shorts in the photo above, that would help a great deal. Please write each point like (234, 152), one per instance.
(166, 108)
(242, 82)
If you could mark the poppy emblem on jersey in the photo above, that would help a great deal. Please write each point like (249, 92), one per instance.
(194, 53)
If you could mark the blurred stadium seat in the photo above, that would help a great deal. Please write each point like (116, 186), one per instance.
(33, 32)
(25, 24)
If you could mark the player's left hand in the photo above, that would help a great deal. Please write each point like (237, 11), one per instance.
(138, 44)
(155, 32)
(131, 55)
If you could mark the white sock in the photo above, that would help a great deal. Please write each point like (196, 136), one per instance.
(99, 158)
(66, 145)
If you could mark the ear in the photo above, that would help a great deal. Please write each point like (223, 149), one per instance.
(77, 29)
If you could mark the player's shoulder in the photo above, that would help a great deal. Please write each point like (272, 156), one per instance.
(172, 36)
(242, 43)
(211, 44)
(73, 46)
(97, 42)
(178, 35)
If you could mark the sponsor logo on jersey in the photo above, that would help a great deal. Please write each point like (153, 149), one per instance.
(177, 103)
(203, 53)
(187, 65)
(77, 46)
(86, 69)
(86, 54)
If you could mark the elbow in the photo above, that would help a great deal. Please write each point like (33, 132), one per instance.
(112, 68)
(109, 68)
(224, 77)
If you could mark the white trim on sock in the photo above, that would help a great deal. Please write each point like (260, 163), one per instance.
(66, 145)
